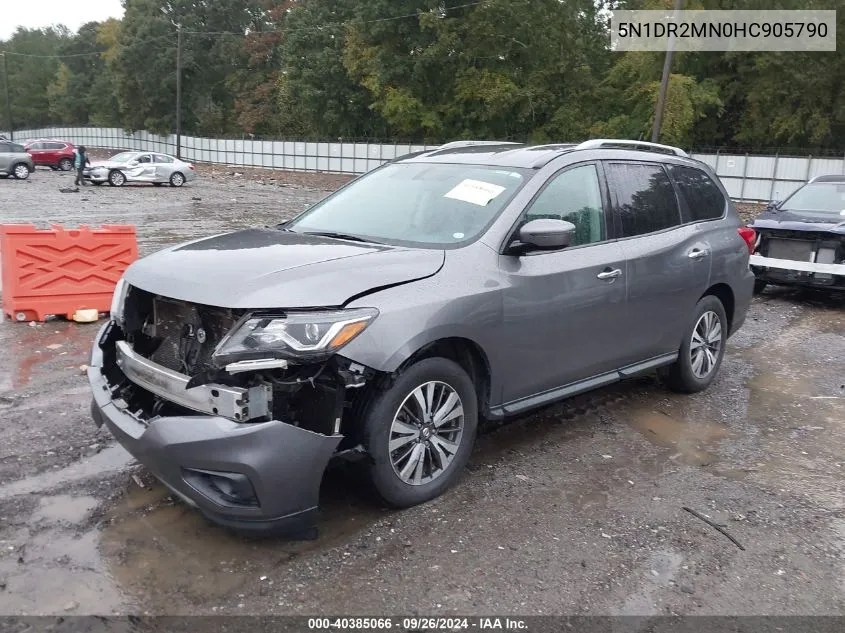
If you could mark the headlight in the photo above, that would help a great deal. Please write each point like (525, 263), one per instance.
(118, 299)
(294, 335)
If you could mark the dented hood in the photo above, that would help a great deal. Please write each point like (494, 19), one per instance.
(269, 268)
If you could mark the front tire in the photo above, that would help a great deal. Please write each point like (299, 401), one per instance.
(420, 431)
(702, 350)
(20, 171)
(117, 178)
(759, 286)
(66, 164)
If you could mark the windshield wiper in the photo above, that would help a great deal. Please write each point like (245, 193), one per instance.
(339, 236)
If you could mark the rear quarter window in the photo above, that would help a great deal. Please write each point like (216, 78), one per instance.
(643, 197)
(701, 198)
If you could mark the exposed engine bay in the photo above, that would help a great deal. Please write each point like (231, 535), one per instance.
(160, 333)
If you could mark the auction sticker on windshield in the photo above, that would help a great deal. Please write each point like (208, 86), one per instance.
(475, 192)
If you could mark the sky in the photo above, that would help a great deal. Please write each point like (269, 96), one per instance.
(33, 14)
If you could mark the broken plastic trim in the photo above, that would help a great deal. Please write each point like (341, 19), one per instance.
(254, 365)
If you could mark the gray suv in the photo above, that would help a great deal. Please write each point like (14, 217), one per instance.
(468, 283)
(14, 161)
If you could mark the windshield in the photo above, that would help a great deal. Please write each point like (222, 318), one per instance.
(419, 204)
(123, 157)
(822, 197)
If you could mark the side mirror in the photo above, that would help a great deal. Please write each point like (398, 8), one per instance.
(132, 163)
(543, 234)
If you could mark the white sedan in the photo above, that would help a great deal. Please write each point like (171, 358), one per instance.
(159, 169)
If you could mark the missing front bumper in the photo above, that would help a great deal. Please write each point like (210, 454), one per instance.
(283, 464)
(796, 265)
(793, 272)
(235, 403)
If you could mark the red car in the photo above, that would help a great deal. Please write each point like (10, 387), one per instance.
(51, 153)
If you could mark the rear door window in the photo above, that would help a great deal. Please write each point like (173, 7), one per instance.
(643, 197)
(701, 198)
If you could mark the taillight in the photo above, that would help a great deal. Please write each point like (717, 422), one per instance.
(191, 167)
(749, 235)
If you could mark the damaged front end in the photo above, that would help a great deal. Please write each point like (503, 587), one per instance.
(237, 412)
(805, 255)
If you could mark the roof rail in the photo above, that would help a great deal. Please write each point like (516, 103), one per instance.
(455, 144)
(597, 143)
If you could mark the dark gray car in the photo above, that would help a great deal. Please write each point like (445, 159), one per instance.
(468, 283)
(801, 240)
(14, 161)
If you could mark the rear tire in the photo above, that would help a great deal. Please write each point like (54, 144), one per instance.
(702, 350)
(177, 179)
(395, 417)
(65, 164)
(759, 286)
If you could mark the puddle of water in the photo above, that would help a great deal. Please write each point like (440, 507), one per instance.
(169, 556)
(588, 500)
(656, 577)
(62, 574)
(109, 460)
(690, 441)
(55, 343)
(64, 508)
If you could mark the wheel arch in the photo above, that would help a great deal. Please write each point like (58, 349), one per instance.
(468, 354)
(725, 294)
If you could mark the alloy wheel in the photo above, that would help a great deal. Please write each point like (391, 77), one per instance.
(117, 178)
(706, 343)
(21, 171)
(426, 433)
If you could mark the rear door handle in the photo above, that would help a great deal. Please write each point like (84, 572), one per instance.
(610, 274)
(697, 253)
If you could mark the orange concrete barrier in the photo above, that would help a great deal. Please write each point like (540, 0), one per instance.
(58, 271)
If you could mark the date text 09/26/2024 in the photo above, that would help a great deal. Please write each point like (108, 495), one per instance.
(417, 623)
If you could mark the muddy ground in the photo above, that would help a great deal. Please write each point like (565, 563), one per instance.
(576, 510)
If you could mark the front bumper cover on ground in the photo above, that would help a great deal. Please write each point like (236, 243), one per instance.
(283, 464)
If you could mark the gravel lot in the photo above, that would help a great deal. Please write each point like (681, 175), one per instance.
(576, 510)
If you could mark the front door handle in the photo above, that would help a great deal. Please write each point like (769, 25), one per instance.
(697, 253)
(609, 274)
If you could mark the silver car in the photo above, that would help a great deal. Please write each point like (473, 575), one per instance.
(158, 169)
(14, 161)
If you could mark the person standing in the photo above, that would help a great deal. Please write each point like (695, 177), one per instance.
(80, 160)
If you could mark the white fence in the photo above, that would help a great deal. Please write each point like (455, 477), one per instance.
(748, 178)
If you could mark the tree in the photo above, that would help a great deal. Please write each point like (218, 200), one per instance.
(323, 100)
(31, 73)
(502, 69)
